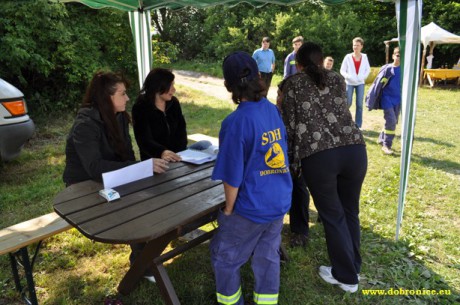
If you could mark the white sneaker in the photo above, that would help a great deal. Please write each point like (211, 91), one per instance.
(387, 150)
(148, 275)
(150, 278)
(325, 272)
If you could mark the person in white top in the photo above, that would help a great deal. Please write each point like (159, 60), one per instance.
(355, 69)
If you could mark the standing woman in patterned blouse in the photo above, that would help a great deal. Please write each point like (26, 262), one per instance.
(328, 148)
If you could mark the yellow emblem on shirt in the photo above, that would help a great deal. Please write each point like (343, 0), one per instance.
(274, 157)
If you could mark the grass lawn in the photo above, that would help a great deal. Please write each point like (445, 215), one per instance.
(74, 270)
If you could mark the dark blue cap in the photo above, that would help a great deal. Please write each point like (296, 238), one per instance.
(238, 68)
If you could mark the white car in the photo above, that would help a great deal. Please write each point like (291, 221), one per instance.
(16, 127)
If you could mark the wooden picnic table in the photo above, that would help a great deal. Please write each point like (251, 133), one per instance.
(155, 210)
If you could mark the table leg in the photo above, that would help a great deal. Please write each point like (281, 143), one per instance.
(430, 81)
(165, 285)
(152, 249)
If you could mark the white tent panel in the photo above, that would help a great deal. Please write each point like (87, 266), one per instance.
(140, 26)
(436, 34)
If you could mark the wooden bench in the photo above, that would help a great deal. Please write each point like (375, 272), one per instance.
(14, 241)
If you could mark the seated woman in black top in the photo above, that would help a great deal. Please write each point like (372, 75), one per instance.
(99, 140)
(159, 126)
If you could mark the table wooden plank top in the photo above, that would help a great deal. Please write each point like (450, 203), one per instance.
(148, 208)
(442, 73)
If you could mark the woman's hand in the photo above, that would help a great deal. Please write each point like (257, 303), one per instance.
(170, 156)
(159, 165)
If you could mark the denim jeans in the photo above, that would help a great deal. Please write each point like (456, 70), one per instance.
(359, 102)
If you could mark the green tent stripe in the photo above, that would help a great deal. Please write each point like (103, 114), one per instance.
(131, 5)
(118, 4)
(140, 27)
(409, 13)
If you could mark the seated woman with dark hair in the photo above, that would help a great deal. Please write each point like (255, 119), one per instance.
(159, 125)
(99, 140)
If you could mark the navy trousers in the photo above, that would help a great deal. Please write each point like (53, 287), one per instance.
(236, 240)
(391, 119)
(334, 178)
(299, 214)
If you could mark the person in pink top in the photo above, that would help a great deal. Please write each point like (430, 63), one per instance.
(355, 69)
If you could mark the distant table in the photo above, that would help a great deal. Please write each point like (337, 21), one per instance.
(440, 74)
(154, 210)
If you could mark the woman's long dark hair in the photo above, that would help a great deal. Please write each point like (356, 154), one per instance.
(253, 90)
(98, 95)
(159, 80)
(310, 58)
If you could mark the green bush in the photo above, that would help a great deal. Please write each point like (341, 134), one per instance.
(50, 50)
(164, 52)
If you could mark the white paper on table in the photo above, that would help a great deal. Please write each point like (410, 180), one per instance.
(128, 174)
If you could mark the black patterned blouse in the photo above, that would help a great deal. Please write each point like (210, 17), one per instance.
(315, 119)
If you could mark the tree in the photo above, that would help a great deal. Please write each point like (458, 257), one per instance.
(52, 68)
(183, 28)
(215, 32)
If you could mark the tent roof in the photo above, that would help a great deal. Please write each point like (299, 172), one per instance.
(434, 33)
(131, 5)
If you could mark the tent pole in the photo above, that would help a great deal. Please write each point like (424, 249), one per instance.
(140, 26)
(409, 15)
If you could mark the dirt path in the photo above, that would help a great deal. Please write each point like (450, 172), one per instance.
(212, 86)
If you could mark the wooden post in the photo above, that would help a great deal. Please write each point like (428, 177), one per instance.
(422, 66)
(387, 51)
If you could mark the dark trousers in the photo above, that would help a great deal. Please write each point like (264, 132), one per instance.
(299, 214)
(267, 78)
(334, 178)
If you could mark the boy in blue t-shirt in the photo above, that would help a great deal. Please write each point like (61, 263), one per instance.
(252, 163)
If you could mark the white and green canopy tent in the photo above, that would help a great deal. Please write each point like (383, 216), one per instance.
(408, 13)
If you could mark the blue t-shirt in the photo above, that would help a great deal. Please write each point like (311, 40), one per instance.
(391, 94)
(264, 59)
(253, 157)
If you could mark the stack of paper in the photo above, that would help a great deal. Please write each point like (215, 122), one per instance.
(128, 174)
